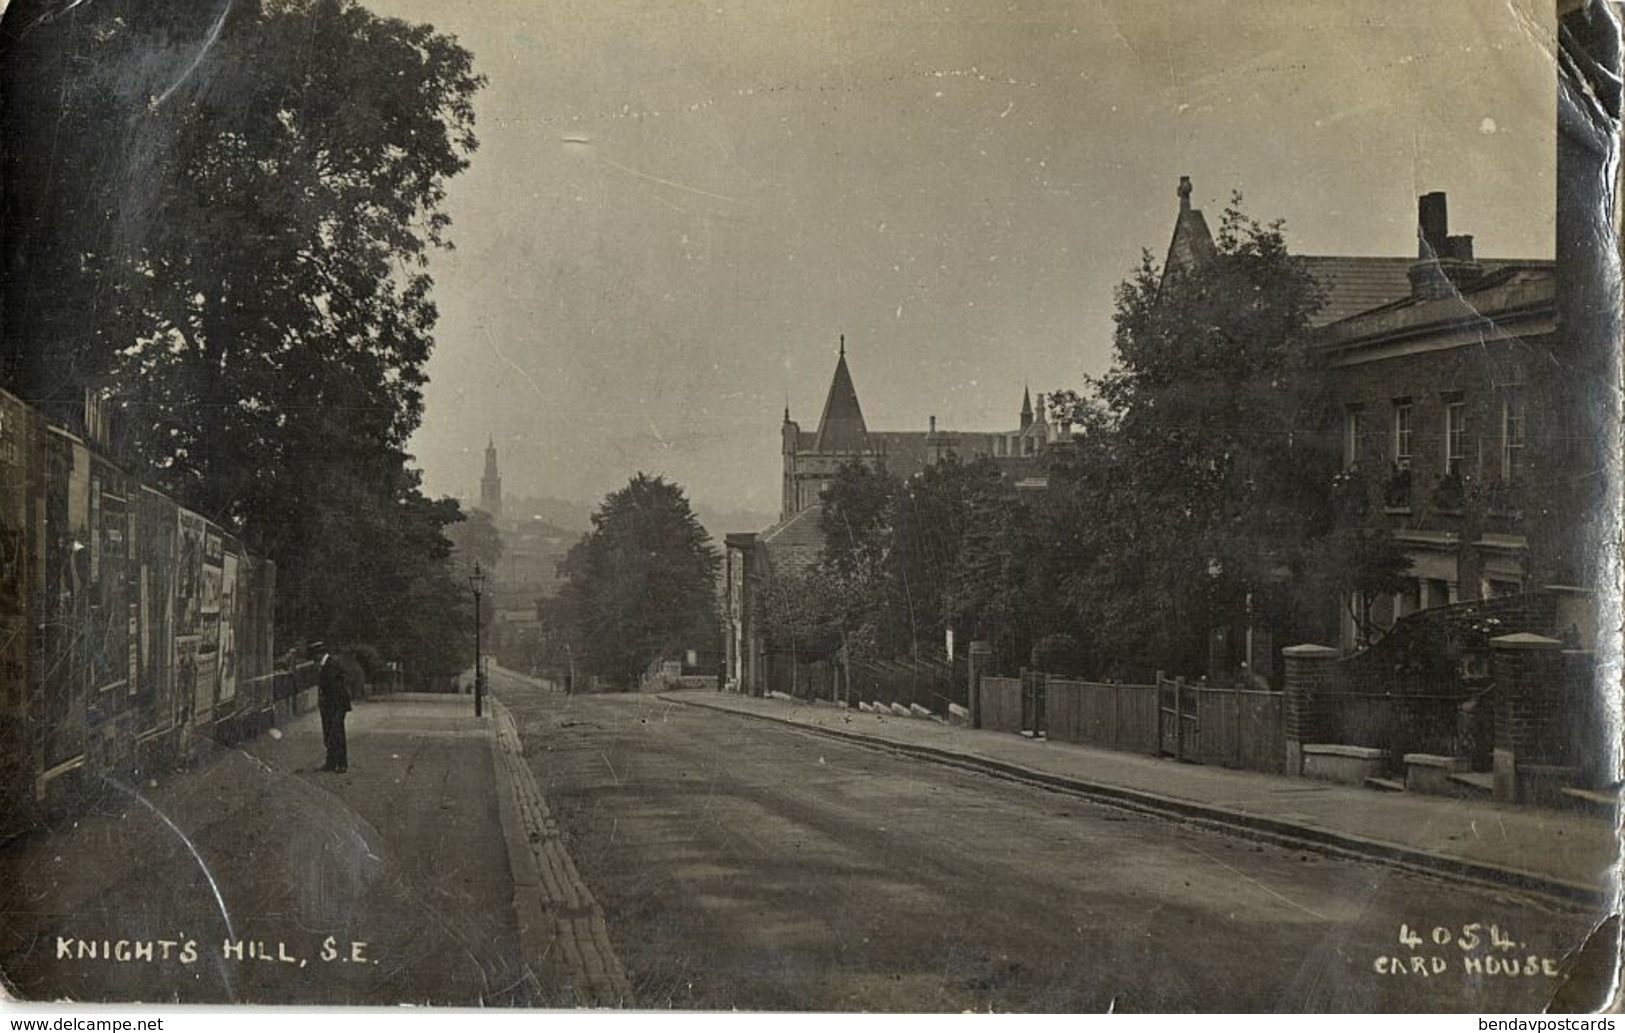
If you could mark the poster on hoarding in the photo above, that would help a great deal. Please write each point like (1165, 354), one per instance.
(15, 600)
(1020, 507)
(228, 624)
(189, 574)
(197, 693)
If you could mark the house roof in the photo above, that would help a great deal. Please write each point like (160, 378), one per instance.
(1355, 284)
(907, 452)
(1503, 297)
(801, 531)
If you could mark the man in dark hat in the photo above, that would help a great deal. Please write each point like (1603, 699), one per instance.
(333, 699)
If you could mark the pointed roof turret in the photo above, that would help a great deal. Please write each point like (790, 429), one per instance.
(1193, 241)
(1026, 407)
(841, 429)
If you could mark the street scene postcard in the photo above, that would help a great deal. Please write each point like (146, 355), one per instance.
(1031, 506)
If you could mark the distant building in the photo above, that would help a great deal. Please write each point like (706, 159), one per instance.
(811, 461)
(491, 482)
(528, 569)
(811, 458)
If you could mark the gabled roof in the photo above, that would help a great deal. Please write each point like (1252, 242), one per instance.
(841, 429)
(798, 532)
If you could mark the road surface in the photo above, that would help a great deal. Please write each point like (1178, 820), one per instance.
(742, 864)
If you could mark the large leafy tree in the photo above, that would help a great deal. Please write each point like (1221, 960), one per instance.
(1222, 486)
(855, 513)
(931, 518)
(914, 557)
(641, 584)
(217, 216)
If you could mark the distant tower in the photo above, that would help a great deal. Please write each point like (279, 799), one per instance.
(491, 483)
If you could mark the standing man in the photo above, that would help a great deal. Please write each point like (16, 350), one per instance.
(333, 698)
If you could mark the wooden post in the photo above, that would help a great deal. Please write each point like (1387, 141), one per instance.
(1022, 696)
(980, 654)
(1237, 698)
(1156, 715)
(1179, 718)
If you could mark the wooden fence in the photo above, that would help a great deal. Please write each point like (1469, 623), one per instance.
(1117, 717)
(1234, 728)
(1237, 728)
(1001, 704)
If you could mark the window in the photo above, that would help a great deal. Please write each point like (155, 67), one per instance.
(1512, 431)
(1351, 436)
(1402, 433)
(1455, 435)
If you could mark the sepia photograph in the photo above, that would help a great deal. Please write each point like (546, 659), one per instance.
(924, 506)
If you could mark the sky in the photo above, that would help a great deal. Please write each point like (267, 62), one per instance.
(677, 208)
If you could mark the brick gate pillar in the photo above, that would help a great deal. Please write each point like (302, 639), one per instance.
(1528, 671)
(981, 655)
(1308, 669)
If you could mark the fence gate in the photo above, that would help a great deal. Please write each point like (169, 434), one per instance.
(1032, 703)
(1176, 716)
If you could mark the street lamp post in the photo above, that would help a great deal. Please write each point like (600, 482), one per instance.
(476, 581)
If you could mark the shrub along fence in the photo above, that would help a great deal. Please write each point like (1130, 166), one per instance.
(801, 679)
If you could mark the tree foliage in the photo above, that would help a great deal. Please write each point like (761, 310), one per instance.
(1200, 480)
(641, 584)
(801, 611)
(218, 217)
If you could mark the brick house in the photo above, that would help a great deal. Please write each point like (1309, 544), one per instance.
(1445, 398)
(1444, 374)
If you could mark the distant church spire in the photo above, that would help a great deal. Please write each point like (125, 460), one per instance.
(491, 483)
(1026, 407)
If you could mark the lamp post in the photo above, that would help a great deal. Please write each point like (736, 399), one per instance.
(476, 581)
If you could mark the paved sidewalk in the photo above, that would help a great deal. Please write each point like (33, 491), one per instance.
(255, 851)
(1551, 853)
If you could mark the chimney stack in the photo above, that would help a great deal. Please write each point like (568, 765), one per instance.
(1432, 225)
(1444, 263)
